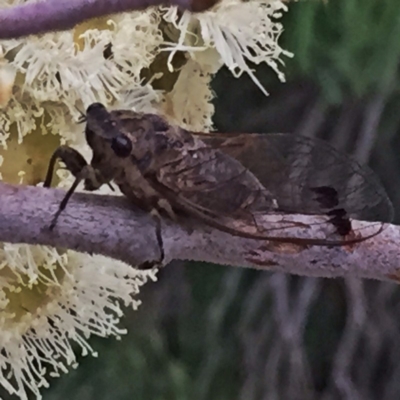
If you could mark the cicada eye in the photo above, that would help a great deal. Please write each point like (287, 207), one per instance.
(121, 145)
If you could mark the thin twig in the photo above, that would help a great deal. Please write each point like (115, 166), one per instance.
(111, 226)
(57, 15)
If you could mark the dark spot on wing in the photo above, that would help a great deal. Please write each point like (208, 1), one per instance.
(327, 196)
(340, 220)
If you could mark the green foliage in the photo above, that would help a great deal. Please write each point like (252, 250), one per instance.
(349, 47)
(136, 367)
(196, 362)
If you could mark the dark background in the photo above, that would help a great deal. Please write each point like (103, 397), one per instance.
(213, 332)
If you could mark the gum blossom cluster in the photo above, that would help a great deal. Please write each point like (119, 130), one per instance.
(52, 299)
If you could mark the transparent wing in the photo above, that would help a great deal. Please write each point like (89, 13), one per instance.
(308, 176)
(261, 186)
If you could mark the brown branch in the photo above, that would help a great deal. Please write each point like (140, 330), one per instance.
(57, 15)
(111, 226)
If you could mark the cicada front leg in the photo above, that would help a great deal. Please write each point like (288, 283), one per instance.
(78, 166)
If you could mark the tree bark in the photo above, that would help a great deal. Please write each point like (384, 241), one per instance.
(111, 226)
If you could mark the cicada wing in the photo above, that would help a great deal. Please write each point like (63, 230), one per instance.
(308, 176)
(258, 225)
(225, 191)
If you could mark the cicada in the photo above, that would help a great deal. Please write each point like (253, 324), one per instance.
(244, 184)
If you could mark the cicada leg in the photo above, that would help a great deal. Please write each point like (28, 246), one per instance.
(156, 263)
(78, 166)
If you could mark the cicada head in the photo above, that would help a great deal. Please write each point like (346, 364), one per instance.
(103, 130)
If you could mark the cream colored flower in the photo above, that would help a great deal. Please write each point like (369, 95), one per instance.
(236, 31)
(50, 298)
(52, 301)
(182, 107)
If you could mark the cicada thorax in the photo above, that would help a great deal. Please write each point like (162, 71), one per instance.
(131, 122)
